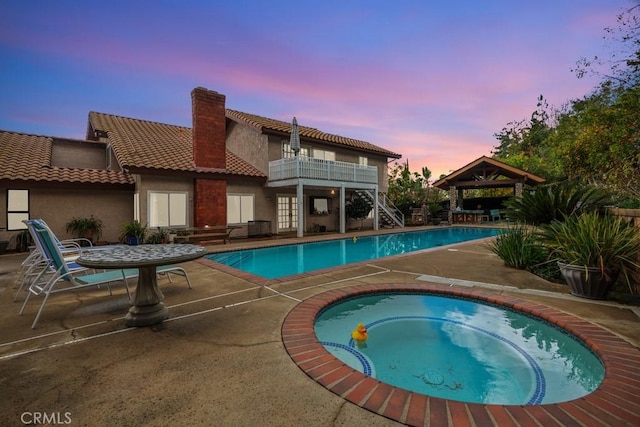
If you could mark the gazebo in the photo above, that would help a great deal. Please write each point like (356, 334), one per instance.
(484, 172)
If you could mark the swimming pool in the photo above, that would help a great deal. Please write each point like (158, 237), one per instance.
(287, 260)
(459, 349)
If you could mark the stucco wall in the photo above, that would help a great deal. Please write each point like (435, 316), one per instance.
(264, 203)
(146, 183)
(78, 154)
(248, 144)
(60, 206)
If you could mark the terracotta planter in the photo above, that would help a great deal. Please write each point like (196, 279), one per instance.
(587, 282)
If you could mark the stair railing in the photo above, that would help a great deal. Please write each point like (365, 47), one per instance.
(384, 206)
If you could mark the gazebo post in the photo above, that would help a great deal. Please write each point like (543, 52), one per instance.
(518, 189)
(453, 202)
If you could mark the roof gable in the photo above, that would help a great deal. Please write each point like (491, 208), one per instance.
(37, 166)
(143, 144)
(487, 172)
(266, 125)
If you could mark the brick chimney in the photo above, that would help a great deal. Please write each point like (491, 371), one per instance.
(209, 151)
(209, 130)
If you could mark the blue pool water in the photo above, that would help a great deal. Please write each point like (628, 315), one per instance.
(281, 261)
(460, 349)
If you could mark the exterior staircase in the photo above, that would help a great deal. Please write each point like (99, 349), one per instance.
(388, 214)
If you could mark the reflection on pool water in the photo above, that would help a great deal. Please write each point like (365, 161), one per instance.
(286, 260)
(460, 349)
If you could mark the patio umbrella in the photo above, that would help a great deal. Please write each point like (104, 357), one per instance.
(294, 142)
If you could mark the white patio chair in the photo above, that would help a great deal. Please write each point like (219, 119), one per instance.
(60, 275)
(36, 262)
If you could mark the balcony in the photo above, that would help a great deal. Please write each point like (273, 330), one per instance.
(323, 170)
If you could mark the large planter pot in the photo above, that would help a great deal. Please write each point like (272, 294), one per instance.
(587, 282)
(133, 240)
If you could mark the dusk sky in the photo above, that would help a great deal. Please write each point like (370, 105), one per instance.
(432, 80)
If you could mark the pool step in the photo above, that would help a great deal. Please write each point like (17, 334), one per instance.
(232, 259)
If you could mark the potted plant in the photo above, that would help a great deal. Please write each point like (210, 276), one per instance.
(592, 251)
(132, 232)
(23, 241)
(434, 212)
(159, 236)
(87, 228)
(357, 209)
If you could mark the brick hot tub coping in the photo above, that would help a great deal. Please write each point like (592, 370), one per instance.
(614, 402)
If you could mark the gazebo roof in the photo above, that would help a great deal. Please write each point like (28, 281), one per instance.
(486, 172)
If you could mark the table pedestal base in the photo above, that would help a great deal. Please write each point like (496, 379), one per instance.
(146, 315)
(147, 308)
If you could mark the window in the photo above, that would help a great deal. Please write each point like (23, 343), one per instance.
(168, 208)
(17, 209)
(287, 152)
(136, 206)
(363, 161)
(239, 208)
(320, 205)
(323, 154)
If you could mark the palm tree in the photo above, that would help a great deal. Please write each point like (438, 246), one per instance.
(426, 174)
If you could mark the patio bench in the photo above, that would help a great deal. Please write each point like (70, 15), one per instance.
(200, 234)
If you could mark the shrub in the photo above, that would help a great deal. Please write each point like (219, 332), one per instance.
(132, 231)
(604, 241)
(555, 202)
(159, 236)
(85, 227)
(519, 248)
(357, 208)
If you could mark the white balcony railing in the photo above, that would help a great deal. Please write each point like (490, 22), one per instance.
(308, 167)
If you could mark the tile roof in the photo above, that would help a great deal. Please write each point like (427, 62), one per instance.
(142, 144)
(151, 145)
(36, 166)
(266, 124)
(488, 169)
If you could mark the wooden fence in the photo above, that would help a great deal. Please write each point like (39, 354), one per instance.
(631, 215)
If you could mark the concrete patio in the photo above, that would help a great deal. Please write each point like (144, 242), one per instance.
(219, 359)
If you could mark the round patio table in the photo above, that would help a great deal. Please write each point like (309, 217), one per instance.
(148, 308)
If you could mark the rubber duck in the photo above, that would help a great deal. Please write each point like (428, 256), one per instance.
(355, 239)
(360, 333)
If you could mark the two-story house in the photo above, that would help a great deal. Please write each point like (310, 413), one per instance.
(229, 168)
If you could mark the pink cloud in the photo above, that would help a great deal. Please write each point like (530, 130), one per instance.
(437, 97)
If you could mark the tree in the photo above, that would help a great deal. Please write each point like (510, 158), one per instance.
(595, 139)
(409, 190)
(525, 144)
(357, 208)
(622, 67)
(599, 139)
(405, 188)
(426, 175)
